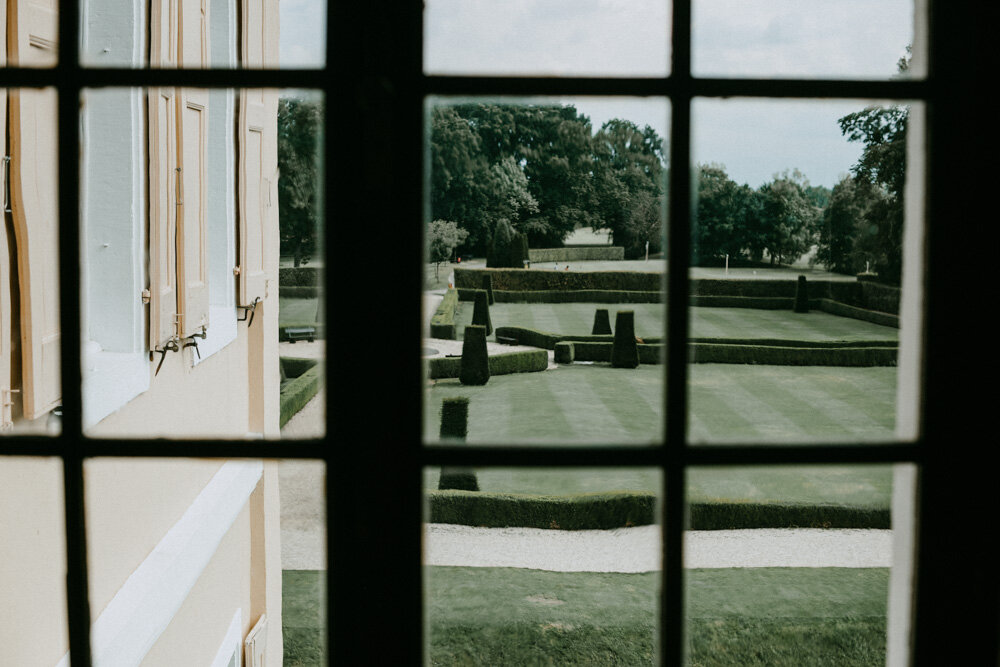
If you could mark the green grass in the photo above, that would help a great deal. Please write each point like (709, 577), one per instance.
(303, 617)
(775, 616)
(578, 318)
(292, 311)
(582, 404)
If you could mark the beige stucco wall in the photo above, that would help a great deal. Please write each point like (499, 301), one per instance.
(33, 629)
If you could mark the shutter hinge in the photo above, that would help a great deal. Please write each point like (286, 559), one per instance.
(145, 296)
(6, 403)
(236, 270)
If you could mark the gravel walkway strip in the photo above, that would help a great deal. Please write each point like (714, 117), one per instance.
(638, 549)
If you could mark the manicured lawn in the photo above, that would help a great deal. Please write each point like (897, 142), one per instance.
(303, 617)
(580, 404)
(578, 319)
(774, 616)
(296, 311)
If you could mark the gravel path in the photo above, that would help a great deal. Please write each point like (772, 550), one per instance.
(637, 549)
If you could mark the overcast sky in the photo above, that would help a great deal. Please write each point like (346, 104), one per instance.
(754, 139)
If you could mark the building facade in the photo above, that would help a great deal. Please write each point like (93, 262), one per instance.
(179, 249)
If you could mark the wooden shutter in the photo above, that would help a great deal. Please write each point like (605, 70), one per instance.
(257, 149)
(34, 192)
(6, 400)
(163, 184)
(192, 137)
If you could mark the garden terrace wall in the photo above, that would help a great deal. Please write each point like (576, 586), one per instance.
(577, 254)
(522, 361)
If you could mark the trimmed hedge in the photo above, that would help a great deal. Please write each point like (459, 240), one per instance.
(547, 279)
(846, 310)
(548, 340)
(564, 353)
(566, 296)
(305, 379)
(475, 365)
(619, 509)
(757, 302)
(624, 349)
(299, 276)
(730, 516)
(523, 361)
(583, 511)
(298, 292)
(711, 353)
(591, 351)
(443, 320)
(577, 254)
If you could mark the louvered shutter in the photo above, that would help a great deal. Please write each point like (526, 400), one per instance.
(34, 193)
(192, 137)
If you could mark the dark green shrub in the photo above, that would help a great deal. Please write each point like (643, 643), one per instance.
(523, 361)
(602, 325)
(488, 287)
(299, 276)
(577, 254)
(564, 353)
(581, 511)
(567, 296)
(454, 426)
(801, 296)
(624, 353)
(298, 292)
(748, 515)
(475, 368)
(547, 279)
(297, 391)
(481, 312)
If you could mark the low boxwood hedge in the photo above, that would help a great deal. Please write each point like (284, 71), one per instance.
(621, 509)
(605, 253)
(583, 511)
(773, 355)
(857, 313)
(298, 292)
(299, 276)
(443, 320)
(522, 361)
(548, 279)
(304, 376)
(548, 340)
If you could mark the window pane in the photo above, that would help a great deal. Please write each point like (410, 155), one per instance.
(798, 245)
(220, 34)
(201, 269)
(30, 390)
(789, 38)
(32, 561)
(180, 550)
(560, 206)
(790, 562)
(581, 38)
(541, 565)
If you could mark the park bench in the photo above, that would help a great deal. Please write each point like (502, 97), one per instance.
(300, 333)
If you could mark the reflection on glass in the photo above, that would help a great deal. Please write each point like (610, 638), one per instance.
(179, 186)
(32, 561)
(787, 38)
(797, 259)
(30, 392)
(538, 565)
(789, 562)
(220, 34)
(543, 291)
(589, 37)
(196, 548)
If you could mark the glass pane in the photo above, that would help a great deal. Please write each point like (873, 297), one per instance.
(542, 566)
(204, 33)
(790, 38)
(30, 391)
(559, 206)
(178, 187)
(565, 37)
(187, 557)
(790, 562)
(32, 561)
(797, 261)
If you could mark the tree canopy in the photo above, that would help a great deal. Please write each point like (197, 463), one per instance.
(300, 124)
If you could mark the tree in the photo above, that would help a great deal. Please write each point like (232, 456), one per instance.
(727, 222)
(840, 227)
(300, 124)
(788, 219)
(443, 236)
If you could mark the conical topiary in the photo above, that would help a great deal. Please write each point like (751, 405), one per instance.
(488, 286)
(475, 360)
(481, 312)
(454, 426)
(602, 325)
(625, 350)
(801, 296)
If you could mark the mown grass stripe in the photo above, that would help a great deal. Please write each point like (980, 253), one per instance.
(539, 414)
(851, 409)
(711, 400)
(592, 419)
(626, 404)
(811, 420)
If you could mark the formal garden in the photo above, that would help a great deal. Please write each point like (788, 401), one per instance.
(556, 356)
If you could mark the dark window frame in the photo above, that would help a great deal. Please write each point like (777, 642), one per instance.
(375, 91)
